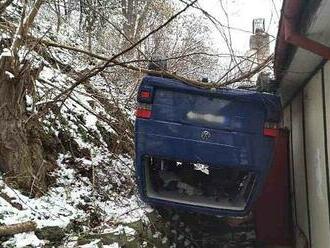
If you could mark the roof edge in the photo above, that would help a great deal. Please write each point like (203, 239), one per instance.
(291, 10)
(295, 11)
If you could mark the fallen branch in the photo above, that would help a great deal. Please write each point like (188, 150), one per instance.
(93, 72)
(164, 73)
(63, 96)
(249, 74)
(169, 74)
(242, 61)
(28, 226)
(10, 200)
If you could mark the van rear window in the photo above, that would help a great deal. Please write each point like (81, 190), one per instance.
(198, 184)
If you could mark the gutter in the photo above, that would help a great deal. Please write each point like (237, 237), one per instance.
(288, 35)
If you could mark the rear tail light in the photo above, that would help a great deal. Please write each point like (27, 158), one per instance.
(271, 129)
(145, 94)
(143, 111)
(270, 132)
(145, 99)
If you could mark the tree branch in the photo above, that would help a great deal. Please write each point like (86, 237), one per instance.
(100, 68)
(249, 73)
(165, 73)
(25, 25)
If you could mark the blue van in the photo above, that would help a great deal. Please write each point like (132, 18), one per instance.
(204, 150)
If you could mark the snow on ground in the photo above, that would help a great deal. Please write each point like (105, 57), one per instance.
(73, 196)
(5, 53)
(24, 240)
(60, 205)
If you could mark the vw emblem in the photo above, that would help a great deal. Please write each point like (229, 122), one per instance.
(205, 135)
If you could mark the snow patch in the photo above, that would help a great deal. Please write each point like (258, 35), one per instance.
(5, 53)
(114, 245)
(24, 240)
(9, 74)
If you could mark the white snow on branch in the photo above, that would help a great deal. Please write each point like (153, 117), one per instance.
(5, 53)
(9, 74)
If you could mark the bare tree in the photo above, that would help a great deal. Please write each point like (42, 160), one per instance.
(21, 153)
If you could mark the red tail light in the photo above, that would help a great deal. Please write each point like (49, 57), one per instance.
(145, 99)
(143, 113)
(145, 94)
(271, 132)
(271, 129)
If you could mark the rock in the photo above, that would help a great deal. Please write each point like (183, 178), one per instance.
(51, 233)
(106, 238)
(138, 226)
(152, 233)
(91, 243)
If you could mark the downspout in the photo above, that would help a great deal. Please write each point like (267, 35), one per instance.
(288, 35)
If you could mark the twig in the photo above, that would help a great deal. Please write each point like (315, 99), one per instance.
(65, 94)
(250, 73)
(9, 199)
(98, 69)
(146, 71)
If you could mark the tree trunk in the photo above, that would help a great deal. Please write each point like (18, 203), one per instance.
(21, 153)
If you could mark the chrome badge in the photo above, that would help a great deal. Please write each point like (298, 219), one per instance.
(205, 135)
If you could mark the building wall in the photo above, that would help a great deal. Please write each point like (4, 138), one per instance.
(298, 163)
(306, 117)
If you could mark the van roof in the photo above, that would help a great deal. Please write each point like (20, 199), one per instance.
(271, 103)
